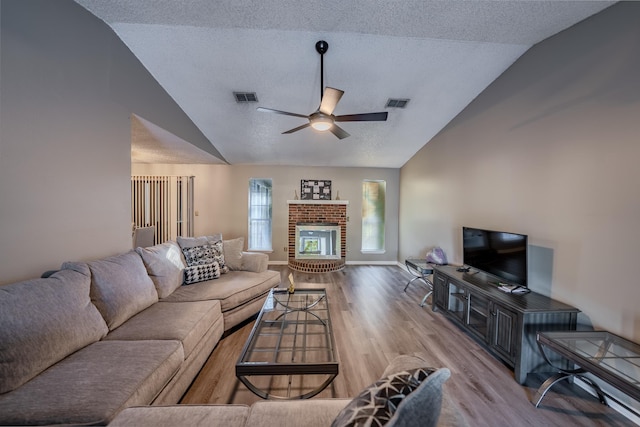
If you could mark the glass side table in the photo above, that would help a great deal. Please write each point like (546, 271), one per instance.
(421, 270)
(611, 358)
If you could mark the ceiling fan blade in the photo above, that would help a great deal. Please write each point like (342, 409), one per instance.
(366, 117)
(286, 113)
(298, 128)
(330, 99)
(338, 131)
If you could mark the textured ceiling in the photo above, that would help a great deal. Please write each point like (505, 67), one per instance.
(440, 54)
(152, 144)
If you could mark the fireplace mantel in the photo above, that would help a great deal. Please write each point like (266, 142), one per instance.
(317, 202)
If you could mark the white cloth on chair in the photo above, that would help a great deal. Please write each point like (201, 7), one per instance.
(143, 237)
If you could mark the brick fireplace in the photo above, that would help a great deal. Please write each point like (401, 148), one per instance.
(317, 212)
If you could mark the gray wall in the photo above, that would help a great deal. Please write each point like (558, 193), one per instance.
(221, 198)
(551, 150)
(68, 87)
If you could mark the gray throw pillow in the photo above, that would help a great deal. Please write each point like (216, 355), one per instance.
(189, 242)
(120, 286)
(377, 404)
(165, 266)
(233, 253)
(422, 407)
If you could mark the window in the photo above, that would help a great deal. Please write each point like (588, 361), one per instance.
(373, 206)
(260, 203)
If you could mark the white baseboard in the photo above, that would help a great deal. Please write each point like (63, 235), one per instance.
(350, 263)
(371, 262)
(611, 401)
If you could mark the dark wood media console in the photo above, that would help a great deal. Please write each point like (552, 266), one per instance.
(504, 323)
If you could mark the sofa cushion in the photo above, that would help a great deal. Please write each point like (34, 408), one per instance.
(182, 415)
(377, 403)
(295, 413)
(232, 289)
(186, 322)
(42, 321)
(255, 261)
(238, 315)
(203, 250)
(233, 252)
(164, 265)
(92, 385)
(200, 273)
(120, 286)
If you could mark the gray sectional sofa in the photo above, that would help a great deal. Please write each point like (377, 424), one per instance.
(94, 338)
(426, 406)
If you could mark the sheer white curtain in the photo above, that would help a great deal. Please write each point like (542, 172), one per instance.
(373, 209)
(260, 211)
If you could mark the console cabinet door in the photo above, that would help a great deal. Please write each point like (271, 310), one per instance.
(504, 332)
(478, 321)
(440, 292)
(458, 304)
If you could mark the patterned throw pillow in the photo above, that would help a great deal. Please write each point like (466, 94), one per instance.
(218, 251)
(198, 255)
(200, 273)
(376, 404)
(206, 254)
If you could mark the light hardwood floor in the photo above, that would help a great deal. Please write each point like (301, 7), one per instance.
(374, 321)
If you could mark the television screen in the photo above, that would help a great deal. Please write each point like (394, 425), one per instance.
(498, 253)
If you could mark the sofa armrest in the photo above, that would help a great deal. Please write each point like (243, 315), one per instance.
(254, 261)
(406, 362)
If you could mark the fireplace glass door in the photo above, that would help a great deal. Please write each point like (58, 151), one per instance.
(318, 242)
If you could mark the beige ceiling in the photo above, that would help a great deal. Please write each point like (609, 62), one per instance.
(440, 54)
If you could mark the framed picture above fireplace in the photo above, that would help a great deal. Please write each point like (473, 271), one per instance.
(315, 189)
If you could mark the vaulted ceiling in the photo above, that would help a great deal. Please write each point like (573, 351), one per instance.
(438, 54)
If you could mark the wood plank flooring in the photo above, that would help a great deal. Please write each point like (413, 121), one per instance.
(374, 321)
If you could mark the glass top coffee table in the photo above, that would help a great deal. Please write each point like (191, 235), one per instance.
(292, 336)
(609, 357)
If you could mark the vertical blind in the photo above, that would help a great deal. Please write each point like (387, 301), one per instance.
(163, 202)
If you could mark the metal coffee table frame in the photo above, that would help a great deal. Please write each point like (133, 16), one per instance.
(609, 357)
(292, 335)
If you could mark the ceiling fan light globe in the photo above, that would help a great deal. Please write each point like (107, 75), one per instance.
(322, 125)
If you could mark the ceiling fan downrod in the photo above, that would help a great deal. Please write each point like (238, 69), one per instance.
(322, 47)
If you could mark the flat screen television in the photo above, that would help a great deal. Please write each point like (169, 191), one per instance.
(499, 253)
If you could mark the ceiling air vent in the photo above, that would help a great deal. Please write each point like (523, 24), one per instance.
(245, 96)
(397, 103)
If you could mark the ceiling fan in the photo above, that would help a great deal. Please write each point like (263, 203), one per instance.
(323, 119)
